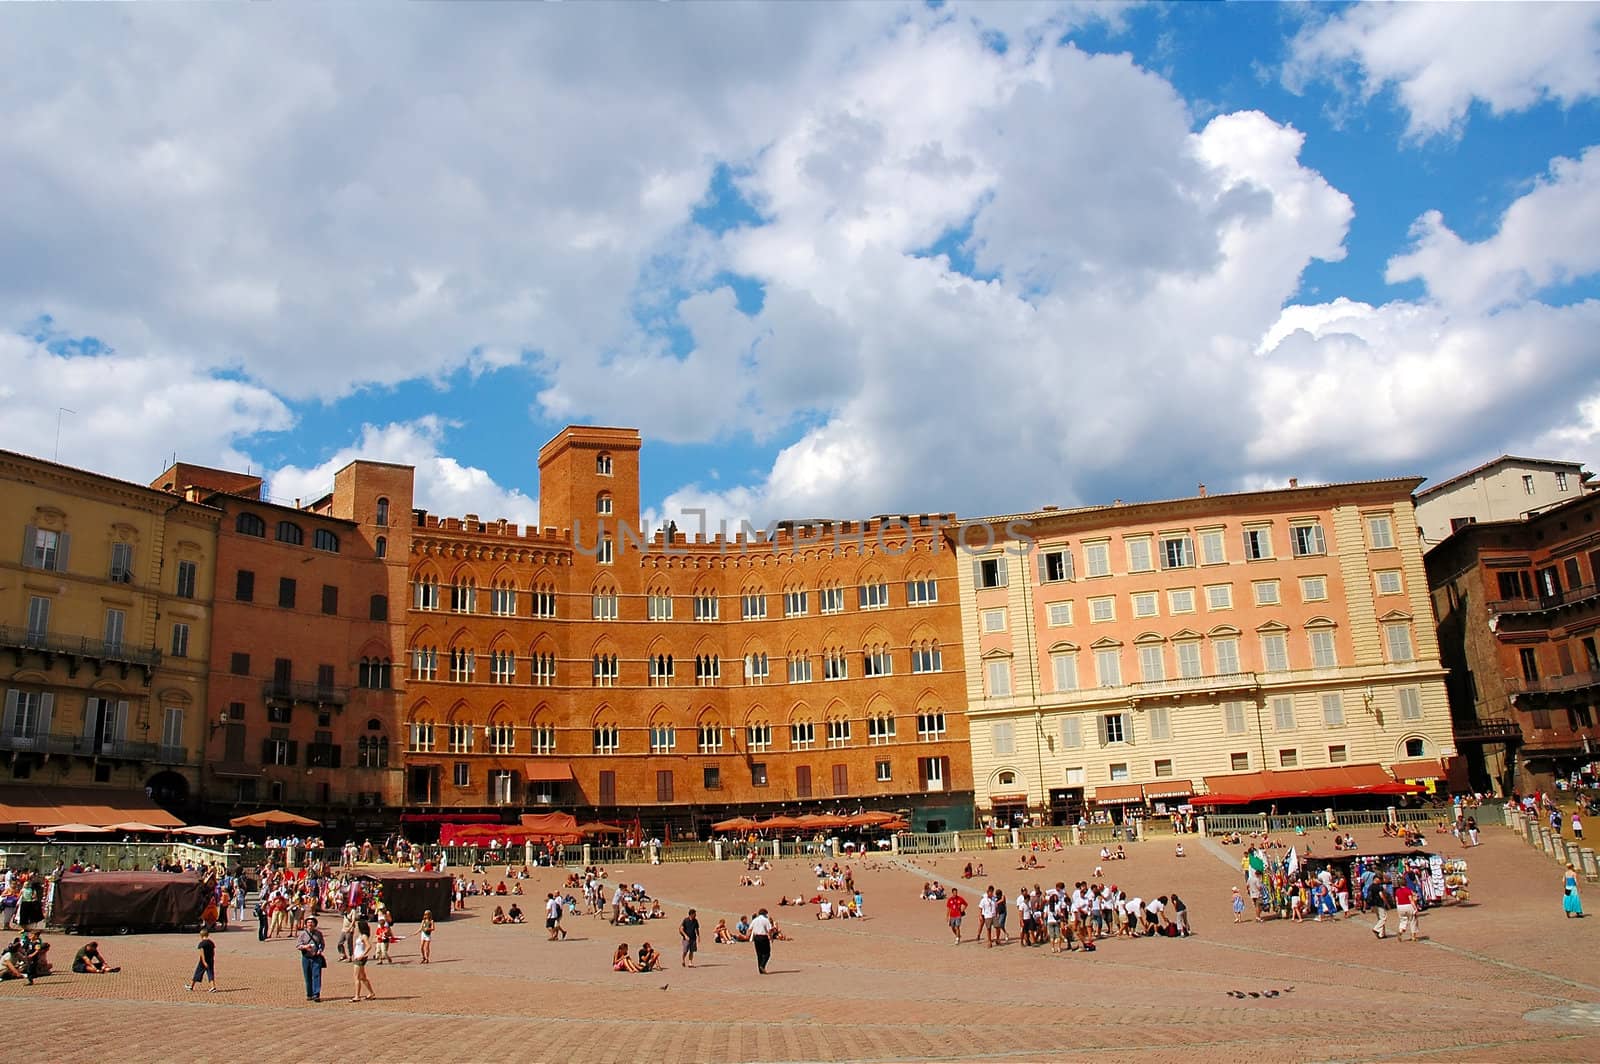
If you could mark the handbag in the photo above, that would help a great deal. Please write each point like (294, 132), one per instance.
(322, 961)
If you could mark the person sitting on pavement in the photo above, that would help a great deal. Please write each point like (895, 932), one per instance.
(621, 961)
(514, 915)
(88, 961)
(741, 930)
(649, 959)
(499, 916)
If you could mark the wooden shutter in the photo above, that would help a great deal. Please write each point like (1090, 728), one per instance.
(63, 545)
(266, 752)
(977, 572)
(294, 753)
(8, 724)
(92, 708)
(802, 781)
(841, 780)
(30, 533)
(1127, 728)
(1100, 727)
(608, 788)
(119, 730)
(47, 709)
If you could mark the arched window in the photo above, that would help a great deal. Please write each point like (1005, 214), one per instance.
(250, 525)
(1415, 747)
(1007, 779)
(325, 540)
(383, 546)
(602, 504)
(602, 463)
(289, 532)
(382, 518)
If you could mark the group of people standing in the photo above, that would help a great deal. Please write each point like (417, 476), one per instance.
(1069, 919)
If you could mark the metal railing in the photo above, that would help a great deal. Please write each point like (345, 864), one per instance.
(1570, 597)
(1518, 685)
(79, 647)
(126, 749)
(305, 691)
(107, 856)
(688, 851)
(1179, 685)
(1487, 729)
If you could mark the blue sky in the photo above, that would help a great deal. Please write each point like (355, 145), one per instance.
(843, 259)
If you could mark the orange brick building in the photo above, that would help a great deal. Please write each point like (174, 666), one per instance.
(307, 630)
(1518, 603)
(589, 667)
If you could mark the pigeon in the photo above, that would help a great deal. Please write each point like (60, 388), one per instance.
(665, 985)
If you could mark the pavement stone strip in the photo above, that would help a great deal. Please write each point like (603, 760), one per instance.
(1503, 976)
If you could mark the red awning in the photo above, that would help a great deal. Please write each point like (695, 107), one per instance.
(1118, 794)
(1168, 789)
(1421, 769)
(43, 806)
(449, 818)
(1007, 799)
(548, 771)
(1328, 782)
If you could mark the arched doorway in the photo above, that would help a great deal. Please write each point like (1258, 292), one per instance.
(169, 789)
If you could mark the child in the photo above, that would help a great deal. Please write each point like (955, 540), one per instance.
(385, 936)
(206, 965)
(1238, 906)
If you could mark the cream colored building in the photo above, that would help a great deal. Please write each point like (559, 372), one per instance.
(1221, 647)
(105, 617)
(1505, 489)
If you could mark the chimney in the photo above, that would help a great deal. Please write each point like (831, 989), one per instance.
(1294, 482)
(1202, 491)
(1116, 502)
(1048, 509)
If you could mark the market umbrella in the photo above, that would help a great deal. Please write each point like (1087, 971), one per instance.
(598, 828)
(138, 827)
(204, 831)
(274, 818)
(820, 820)
(738, 823)
(780, 823)
(73, 829)
(871, 819)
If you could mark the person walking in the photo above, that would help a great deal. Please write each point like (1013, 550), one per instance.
(1378, 899)
(425, 936)
(689, 931)
(955, 907)
(1577, 826)
(1571, 904)
(310, 943)
(360, 952)
(552, 917)
(206, 964)
(761, 935)
(1405, 902)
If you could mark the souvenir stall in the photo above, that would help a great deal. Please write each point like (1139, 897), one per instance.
(407, 895)
(1439, 879)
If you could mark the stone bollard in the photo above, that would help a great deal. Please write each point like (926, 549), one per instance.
(894, 843)
(1200, 826)
(775, 845)
(588, 854)
(1077, 835)
(1328, 819)
(716, 850)
(1587, 862)
(1016, 839)
(655, 854)
(1547, 842)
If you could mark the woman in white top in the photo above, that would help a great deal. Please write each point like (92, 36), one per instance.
(360, 950)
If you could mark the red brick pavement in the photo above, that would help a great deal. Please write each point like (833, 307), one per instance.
(891, 987)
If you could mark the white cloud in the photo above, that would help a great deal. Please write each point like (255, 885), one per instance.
(1549, 236)
(1441, 58)
(131, 414)
(444, 486)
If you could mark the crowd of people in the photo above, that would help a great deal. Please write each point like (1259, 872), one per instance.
(1067, 919)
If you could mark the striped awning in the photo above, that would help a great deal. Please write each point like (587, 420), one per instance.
(1119, 794)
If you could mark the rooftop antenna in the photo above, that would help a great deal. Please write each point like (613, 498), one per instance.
(59, 411)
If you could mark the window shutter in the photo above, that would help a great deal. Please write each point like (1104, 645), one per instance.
(337, 755)
(30, 534)
(62, 545)
(1100, 727)
(8, 724)
(47, 708)
(1039, 577)
(1002, 570)
(977, 572)
(1127, 728)
(294, 752)
(266, 751)
(119, 731)
(91, 712)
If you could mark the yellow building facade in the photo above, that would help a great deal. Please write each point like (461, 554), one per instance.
(1213, 650)
(105, 595)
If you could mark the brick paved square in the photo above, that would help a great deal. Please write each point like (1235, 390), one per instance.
(1501, 977)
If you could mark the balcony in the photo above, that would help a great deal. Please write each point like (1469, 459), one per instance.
(1552, 685)
(41, 744)
(1544, 604)
(1178, 687)
(1488, 730)
(77, 745)
(75, 650)
(297, 691)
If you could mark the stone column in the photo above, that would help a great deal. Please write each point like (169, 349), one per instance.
(1328, 818)
(1016, 839)
(588, 854)
(1200, 825)
(716, 849)
(1591, 869)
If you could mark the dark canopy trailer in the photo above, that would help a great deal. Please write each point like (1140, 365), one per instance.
(126, 902)
(407, 895)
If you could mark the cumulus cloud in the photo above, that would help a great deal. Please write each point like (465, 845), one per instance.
(1441, 58)
(443, 485)
(1549, 236)
(130, 415)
